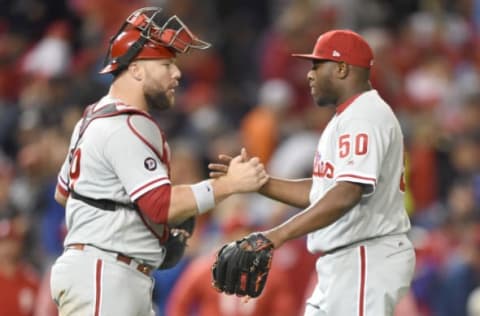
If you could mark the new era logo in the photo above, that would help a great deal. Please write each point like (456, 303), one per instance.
(335, 53)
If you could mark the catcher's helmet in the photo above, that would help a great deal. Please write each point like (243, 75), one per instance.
(148, 34)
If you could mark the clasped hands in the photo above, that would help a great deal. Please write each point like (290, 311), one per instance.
(247, 174)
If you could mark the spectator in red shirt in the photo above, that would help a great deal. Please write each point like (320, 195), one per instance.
(194, 295)
(18, 281)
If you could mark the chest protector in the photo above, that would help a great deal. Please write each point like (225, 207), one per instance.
(89, 115)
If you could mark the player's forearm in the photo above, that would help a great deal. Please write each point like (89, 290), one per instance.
(291, 192)
(241, 176)
(327, 210)
(60, 198)
(184, 204)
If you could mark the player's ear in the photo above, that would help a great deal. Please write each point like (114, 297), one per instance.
(135, 70)
(342, 70)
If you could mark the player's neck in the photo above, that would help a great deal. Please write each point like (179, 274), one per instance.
(129, 93)
(353, 91)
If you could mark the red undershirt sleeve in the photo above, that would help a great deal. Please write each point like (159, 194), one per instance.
(155, 203)
(62, 191)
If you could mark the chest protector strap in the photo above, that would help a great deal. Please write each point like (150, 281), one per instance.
(90, 114)
(108, 110)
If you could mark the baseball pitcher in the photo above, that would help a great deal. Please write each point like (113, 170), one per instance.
(354, 215)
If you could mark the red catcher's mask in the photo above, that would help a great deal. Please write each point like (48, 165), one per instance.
(148, 34)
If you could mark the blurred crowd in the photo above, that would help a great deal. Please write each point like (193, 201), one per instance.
(247, 91)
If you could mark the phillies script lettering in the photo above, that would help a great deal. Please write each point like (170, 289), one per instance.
(321, 168)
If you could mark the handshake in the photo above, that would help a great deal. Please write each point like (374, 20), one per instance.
(241, 173)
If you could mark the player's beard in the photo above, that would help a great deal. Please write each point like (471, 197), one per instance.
(326, 96)
(157, 100)
(326, 101)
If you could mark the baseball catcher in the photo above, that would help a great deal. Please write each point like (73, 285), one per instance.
(115, 180)
(242, 267)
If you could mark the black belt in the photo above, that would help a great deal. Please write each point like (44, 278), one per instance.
(104, 204)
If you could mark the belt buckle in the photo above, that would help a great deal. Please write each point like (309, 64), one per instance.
(143, 268)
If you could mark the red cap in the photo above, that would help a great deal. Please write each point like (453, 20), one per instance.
(342, 45)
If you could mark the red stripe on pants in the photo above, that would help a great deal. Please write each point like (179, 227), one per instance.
(98, 286)
(361, 302)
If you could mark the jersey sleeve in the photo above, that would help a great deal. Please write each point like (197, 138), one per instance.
(62, 182)
(138, 154)
(155, 204)
(62, 178)
(360, 148)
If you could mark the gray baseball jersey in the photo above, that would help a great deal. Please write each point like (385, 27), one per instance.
(370, 261)
(362, 143)
(118, 157)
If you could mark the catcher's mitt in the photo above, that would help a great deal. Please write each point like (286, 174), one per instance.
(242, 266)
(176, 242)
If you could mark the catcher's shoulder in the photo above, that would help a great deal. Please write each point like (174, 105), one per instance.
(145, 128)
